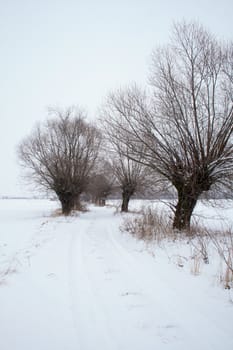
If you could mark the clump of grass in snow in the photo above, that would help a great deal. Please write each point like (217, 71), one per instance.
(223, 242)
(149, 225)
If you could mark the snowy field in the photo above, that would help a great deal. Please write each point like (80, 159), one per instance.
(80, 283)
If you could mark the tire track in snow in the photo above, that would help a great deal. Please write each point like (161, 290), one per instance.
(123, 288)
(88, 318)
(130, 297)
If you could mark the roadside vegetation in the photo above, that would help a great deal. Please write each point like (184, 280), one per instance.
(199, 246)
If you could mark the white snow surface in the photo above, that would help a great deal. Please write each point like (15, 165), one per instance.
(80, 283)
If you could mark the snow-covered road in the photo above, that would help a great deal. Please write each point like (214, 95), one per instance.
(82, 284)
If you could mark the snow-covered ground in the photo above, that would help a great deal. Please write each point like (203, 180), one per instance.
(80, 283)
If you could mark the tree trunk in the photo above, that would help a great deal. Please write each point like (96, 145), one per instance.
(184, 208)
(67, 202)
(125, 201)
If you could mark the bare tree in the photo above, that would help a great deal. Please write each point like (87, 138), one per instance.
(186, 127)
(130, 176)
(60, 155)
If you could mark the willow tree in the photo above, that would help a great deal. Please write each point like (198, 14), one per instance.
(131, 176)
(186, 126)
(60, 154)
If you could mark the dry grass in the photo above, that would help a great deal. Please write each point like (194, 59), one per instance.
(223, 242)
(149, 225)
(200, 241)
(196, 265)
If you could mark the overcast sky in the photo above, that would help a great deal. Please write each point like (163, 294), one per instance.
(66, 52)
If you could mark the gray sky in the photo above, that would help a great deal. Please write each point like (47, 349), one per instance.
(66, 52)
